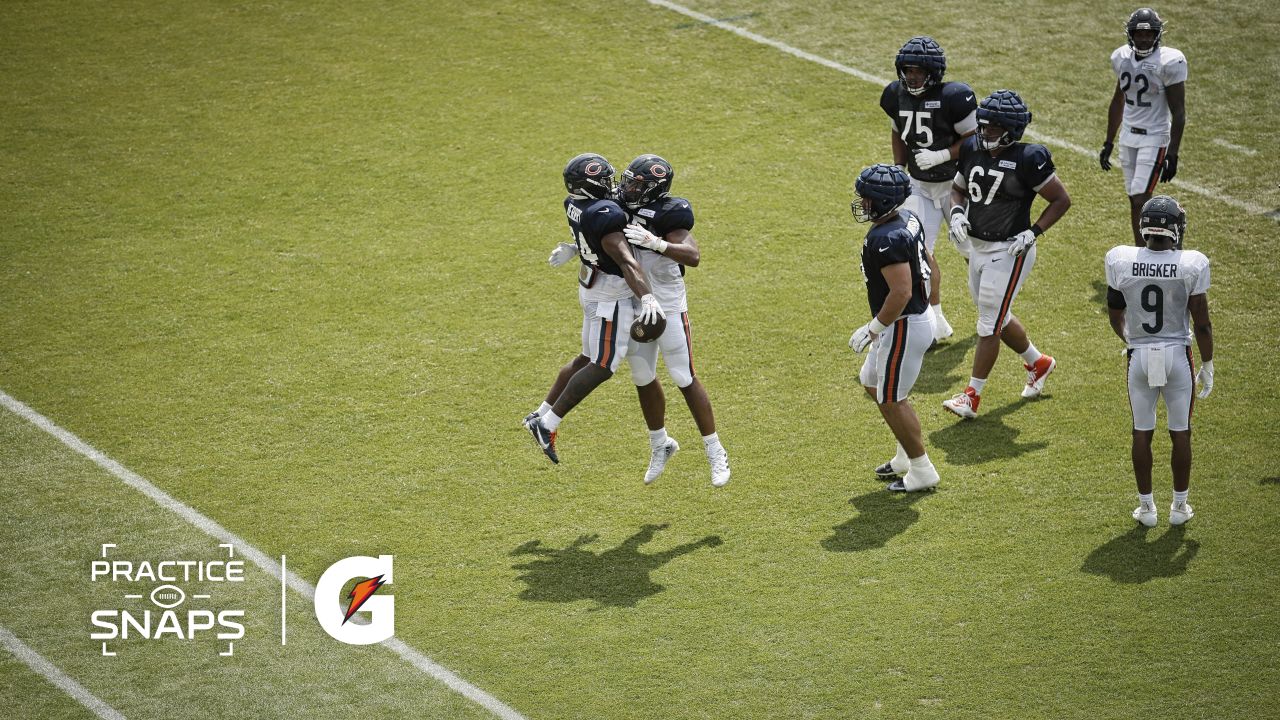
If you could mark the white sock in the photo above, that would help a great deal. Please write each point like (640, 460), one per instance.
(921, 463)
(1031, 354)
(1148, 500)
(977, 384)
(657, 438)
(1180, 497)
(551, 421)
(900, 457)
(712, 443)
(544, 408)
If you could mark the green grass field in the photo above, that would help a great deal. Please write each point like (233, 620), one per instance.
(287, 262)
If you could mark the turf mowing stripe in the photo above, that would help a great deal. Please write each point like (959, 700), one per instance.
(50, 672)
(259, 558)
(1210, 193)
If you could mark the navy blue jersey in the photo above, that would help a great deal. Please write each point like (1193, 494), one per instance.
(1001, 188)
(928, 122)
(665, 215)
(900, 240)
(589, 222)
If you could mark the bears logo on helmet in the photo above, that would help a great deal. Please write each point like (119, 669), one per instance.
(646, 179)
(589, 177)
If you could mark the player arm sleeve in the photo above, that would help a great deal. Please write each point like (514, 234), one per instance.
(1115, 299)
(1039, 169)
(1175, 71)
(962, 108)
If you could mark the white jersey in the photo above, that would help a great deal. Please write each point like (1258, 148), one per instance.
(1156, 286)
(666, 281)
(1144, 82)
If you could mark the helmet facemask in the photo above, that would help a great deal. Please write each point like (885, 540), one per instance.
(990, 141)
(1144, 19)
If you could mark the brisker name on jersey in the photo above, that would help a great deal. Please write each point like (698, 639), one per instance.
(1155, 270)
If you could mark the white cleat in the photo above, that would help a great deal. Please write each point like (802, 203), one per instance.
(941, 328)
(1179, 514)
(915, 480)
(658, 460)
(1146, 514)
(964, 404)
(1036, 375)
(719, 468)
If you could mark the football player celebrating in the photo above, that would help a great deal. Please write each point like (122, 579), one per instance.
(1151, 89)
(1154, 294)
(660, 229)
(997, 180)
(895, 267)
(930, 118)
(609, 280)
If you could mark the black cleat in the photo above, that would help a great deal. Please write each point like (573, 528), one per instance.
(545, 438)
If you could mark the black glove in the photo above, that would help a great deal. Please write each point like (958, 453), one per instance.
(1170, 167)
(1104, 157)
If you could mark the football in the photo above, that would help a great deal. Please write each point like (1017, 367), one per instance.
(641, 332)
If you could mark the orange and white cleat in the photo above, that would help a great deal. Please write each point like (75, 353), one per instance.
(1036, 375)
(964, 404)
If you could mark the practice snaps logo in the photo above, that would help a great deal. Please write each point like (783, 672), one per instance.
(333, 610)
(159, 613)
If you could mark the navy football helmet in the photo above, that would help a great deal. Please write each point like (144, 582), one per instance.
(1002, 109)
(884, 187)
(1163, 216)
(589, 177)
(646, 179)
(923, 52)
(1144, 19)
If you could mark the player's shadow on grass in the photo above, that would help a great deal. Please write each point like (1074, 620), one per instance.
(936, 372)
(1099, 293)
(882, 516)
(985, 438)
(1269, 481)
(1130, 558)
(613, 578)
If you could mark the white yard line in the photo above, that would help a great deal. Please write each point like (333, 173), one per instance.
(50, 672)
(1211, 193)
(1232, 146)
(256, 556)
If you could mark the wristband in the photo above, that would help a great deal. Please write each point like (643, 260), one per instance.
(662, 246)
(876, 326)
(1035, 230)
(956, 209)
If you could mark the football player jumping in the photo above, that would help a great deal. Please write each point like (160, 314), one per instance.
(660, 229)
(1154, 295)
(1151, 89)
(609, 281)
(669, 248)
(997, 180)
(930, 119)
(895, 267)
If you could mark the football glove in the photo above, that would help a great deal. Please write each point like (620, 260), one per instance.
(563, 253)
(863, 336)
(650, 311)
(1104, 157)
(1022, 242)
(1205, 378)
(959, 229)
(637, 235)
(927, 159)
(1170, 168)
